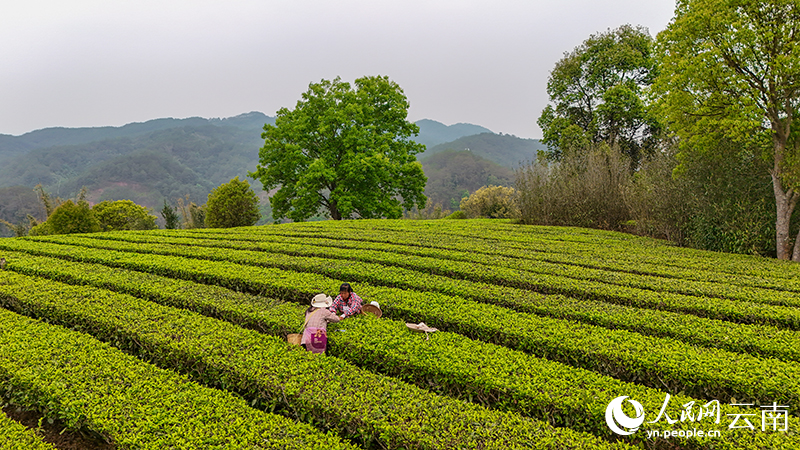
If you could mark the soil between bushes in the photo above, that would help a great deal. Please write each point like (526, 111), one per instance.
(68, 440)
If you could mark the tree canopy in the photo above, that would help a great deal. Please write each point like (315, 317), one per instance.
(233, 204)
(346, 150)
(597, 94)
(730, 70)
(123, 215)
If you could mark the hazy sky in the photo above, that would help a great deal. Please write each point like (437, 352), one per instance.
(81, 63)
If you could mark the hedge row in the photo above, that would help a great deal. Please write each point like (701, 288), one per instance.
(14, 436)
(449, 363)
(767, 273)
(449, 247)
(759, 340)
(655, 362)
(377, 410)
(590, 243)
(72, 376)
(491, 236)
(535, 275)
(542, 277)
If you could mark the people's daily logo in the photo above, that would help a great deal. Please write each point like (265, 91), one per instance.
(773, 418)
(618, 421)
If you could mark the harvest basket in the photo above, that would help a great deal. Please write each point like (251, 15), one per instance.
(294, 338)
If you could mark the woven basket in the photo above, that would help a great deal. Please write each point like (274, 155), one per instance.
(294, 339)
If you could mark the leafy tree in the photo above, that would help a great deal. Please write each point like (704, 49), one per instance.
(170, 215)
(597, 93)
(70, 217)
(123, 215)
(232, 204)
(345, 149)
(731, 70)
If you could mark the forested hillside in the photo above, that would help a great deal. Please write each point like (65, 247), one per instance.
(171, 158)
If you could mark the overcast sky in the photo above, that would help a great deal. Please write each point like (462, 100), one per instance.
(78, 63)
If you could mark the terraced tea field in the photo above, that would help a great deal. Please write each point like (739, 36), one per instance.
(176, 339)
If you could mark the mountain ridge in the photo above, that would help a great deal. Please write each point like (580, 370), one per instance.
(168, 158)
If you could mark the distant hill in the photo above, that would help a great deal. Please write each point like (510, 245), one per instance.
(454, 174)
(432, 133)
(146, 162)
(503, 149)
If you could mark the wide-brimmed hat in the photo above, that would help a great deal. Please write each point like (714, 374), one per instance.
(421, 327)
(321, 301)
(373, 308)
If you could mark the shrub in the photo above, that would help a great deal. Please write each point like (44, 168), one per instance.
(583, 189)
(70, 217)
(494, 202)
(123, 215)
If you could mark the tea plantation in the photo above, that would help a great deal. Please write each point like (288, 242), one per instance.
(176, 339)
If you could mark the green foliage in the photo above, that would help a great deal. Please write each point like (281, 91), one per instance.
(127, 401)
(675, 365)
(14, 435)
(493, 202)
(170, 215)
(444, 362)
(457, 215)
(559, 293)
(598, 94)
(729, 73)
(232, 204)
(70, 217)
(264, 369)
(41, 229)
(347, 150)
(123, 215)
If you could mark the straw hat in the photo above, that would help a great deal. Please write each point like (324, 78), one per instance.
(373, 308)
(421, 327)
(321, 301)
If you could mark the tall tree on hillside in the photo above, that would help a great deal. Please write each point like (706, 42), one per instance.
(597, 95)
(345, 150)
(730, 69)
(233, 204)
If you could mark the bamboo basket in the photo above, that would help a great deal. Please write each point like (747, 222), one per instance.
(294, 338)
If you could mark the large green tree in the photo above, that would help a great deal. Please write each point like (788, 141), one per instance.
(345, 150)
(597, 92)
(233, 204)
(730, 70)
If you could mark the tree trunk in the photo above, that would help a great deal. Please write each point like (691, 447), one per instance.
(335, 214)
(796, 253)
(784, 206)
(785, 202)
